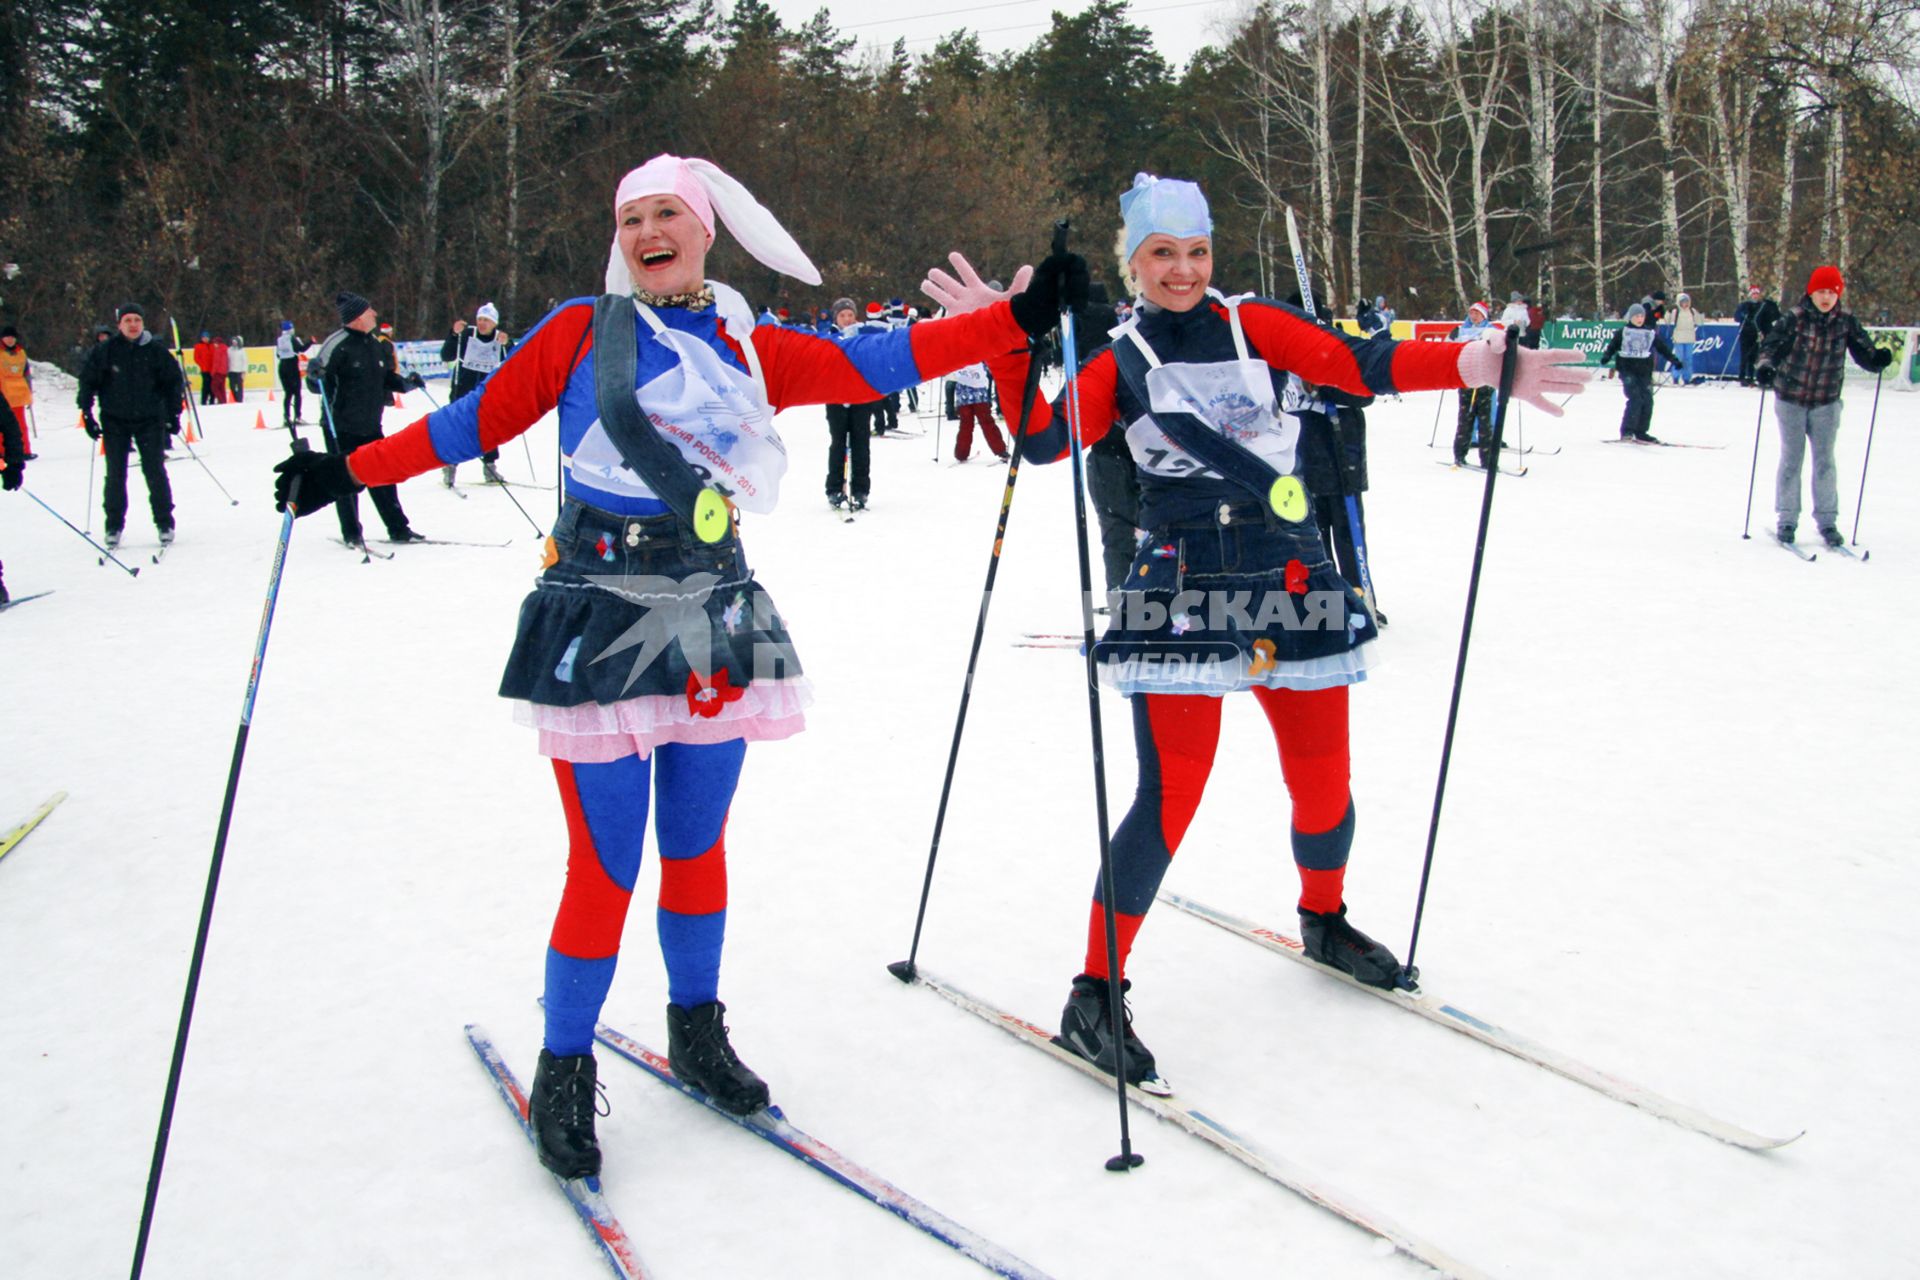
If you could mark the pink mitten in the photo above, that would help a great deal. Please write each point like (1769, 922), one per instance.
(1537, 374)
(968, 292)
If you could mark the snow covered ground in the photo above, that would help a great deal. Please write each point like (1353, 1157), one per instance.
(1678, 843)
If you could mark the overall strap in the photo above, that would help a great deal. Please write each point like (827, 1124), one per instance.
(616, 355)
(1193, 434)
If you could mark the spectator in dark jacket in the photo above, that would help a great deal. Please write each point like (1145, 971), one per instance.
(356, 382)
(140, 390)
(1631, 350)
(1804, 360)
(1756, 318)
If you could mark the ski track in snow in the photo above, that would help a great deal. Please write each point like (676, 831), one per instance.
(1677, 844)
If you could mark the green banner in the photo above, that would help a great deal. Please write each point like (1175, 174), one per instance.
(1588, 337)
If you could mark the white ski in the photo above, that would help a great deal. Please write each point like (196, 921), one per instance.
(1434, 1009)
(1209, 1130)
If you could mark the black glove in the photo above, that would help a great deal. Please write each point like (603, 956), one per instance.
(323, 478)
(416, 381)
(93, 428)
(1881, 358)
(1060, 279)
(1763, 374)
(173, 428)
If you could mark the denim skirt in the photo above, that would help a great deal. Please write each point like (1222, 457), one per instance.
(1239, 600)
(638, 634)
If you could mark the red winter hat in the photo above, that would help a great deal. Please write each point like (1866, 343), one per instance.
(1826, 278)
(873, 308)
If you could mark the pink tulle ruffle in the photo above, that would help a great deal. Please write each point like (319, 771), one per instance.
(593, 733)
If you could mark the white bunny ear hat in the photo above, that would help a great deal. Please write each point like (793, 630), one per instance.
(708, 189)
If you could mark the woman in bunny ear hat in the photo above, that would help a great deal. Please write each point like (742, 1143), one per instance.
(1232, 590)
(647, 656)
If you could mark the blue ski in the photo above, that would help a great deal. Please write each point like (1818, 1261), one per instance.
(582, 1193)
(771, 1124)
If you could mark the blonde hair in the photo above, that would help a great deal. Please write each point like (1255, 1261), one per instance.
(1125, 261)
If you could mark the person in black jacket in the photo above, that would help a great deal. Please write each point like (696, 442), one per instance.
(140, 389)
(355, 382)
(1631, 351)
(1756, 318)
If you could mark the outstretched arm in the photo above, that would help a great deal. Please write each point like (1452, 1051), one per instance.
(520, 392)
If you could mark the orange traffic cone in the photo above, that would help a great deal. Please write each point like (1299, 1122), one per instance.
(398, 403)
(191, 437)
(271, 396)
(259, 419)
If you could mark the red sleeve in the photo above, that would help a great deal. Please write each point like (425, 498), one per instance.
(520, 392)
(1047, 429)
(941, 346)
(807, 368)
(1361, 368)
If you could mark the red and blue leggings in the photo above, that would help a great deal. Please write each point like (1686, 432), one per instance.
(691, 788)
(1175, 736)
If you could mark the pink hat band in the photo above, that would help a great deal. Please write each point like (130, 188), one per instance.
(667, 176)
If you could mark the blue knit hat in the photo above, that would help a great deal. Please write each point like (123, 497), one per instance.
(1163, 206)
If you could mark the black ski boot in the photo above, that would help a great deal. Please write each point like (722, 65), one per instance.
(1832, 536)
(1087, 1029)
(1331, 941)
(561, 1107)
(698, 1052)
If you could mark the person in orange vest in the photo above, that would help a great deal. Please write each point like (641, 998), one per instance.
(16, 383)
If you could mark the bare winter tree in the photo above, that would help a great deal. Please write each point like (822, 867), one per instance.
(1448, 128)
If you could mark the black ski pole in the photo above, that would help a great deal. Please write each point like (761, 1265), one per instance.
(1508, 364)
(1439, 403)
(213, 882)
(105, 555)
(904, 969)
(93, 452)
(231, 500)
(1866, 461)
(1116, 1011)
(538, 532)
(1754, 471)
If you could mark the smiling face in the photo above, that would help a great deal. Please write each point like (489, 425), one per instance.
(1173, 272)
(664, 244)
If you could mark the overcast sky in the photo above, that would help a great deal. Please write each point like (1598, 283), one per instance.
(1179, 27)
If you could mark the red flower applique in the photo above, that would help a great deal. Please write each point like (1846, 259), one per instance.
(1296, 578)
(707, 699)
